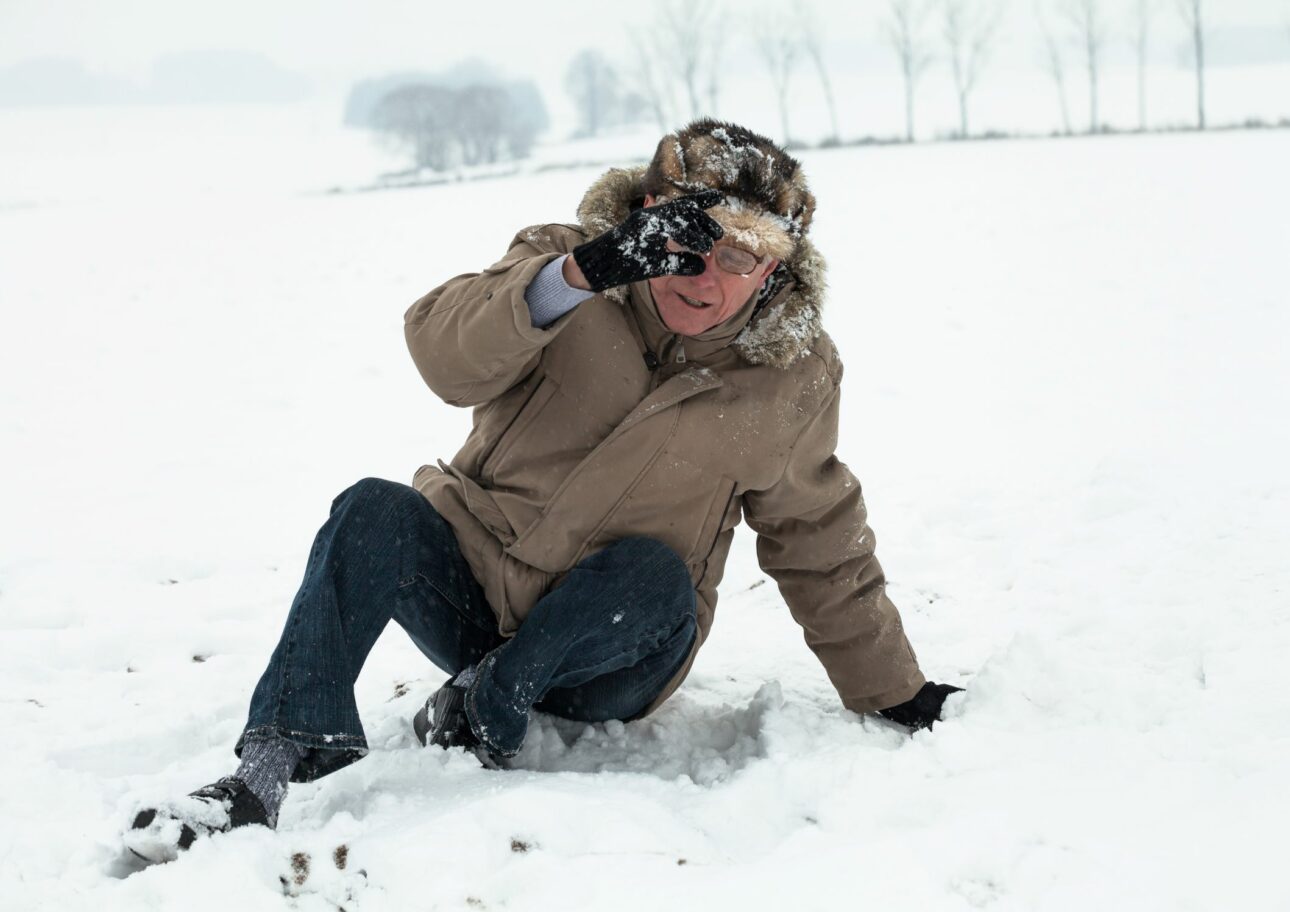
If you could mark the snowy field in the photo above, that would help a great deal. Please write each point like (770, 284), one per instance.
(1066, 397)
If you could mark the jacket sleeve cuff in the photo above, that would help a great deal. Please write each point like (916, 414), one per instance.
(515, 287)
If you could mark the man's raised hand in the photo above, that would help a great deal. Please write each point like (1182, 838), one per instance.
(637, 249)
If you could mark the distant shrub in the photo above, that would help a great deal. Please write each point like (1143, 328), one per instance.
(475, 124)
(464, 115)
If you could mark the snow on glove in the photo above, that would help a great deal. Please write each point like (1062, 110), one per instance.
(923, 709)
(637, 249)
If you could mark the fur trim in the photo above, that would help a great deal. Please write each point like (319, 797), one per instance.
(746, 166)
(776, 335)
(753, 229)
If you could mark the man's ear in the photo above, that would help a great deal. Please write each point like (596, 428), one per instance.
(649, 199)
(770, 267)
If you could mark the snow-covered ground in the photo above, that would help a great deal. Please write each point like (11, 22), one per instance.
(1066, 397)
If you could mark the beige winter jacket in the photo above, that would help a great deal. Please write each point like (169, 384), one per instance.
(577, 443)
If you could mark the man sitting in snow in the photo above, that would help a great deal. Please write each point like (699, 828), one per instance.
(640, 381)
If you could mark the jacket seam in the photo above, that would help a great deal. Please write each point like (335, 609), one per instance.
(734, 492)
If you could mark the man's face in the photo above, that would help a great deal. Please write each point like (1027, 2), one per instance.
(691, 305)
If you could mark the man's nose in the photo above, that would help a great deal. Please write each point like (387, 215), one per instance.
(709, 274)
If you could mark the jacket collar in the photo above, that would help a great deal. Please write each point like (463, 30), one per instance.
(775, 329)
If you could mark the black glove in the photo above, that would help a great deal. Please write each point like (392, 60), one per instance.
(637, 249)
(923, 709)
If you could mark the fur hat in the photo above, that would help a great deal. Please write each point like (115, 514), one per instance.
(768, 207)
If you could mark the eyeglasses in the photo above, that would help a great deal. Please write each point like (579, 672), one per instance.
(732, 259)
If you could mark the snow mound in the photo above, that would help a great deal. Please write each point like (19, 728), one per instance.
(705, 744)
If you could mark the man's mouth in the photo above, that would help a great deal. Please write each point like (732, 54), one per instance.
(693, 302)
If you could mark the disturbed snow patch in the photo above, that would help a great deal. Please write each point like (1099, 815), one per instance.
(705, 744)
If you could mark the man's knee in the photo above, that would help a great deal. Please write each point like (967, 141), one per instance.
(648, 565)
(378, 495)
(641, 552)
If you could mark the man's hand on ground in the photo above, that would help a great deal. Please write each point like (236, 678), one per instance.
(637, 249)
(923, 709)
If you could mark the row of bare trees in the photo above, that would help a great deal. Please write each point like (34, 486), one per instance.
(677, 65)
(969, 27)
(1087, 20)
(683, 49)
(675, 70)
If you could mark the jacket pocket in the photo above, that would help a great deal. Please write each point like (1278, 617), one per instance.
(713, 523)
(480, 505)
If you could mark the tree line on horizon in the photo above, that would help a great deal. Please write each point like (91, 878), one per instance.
(687, 42)
(675, 70)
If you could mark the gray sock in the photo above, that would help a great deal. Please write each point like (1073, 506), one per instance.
(266, 768)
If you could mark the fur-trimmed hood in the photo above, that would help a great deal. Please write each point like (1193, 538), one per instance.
(787, 316)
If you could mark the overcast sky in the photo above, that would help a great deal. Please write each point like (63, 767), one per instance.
(333, 41)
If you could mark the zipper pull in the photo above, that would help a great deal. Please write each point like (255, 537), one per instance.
(680, 352)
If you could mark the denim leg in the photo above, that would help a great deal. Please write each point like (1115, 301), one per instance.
(383, 553)
(600, 646)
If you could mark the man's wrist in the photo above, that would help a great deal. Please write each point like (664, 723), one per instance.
(573, 276)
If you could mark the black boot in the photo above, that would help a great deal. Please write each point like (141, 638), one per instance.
(442, 723)
(160, 833)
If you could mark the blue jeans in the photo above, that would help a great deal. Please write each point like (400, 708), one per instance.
(602, 645)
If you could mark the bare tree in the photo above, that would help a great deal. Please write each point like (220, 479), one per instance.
(592, 83)
(526, 117)
(717, 38)
(420, 118)
(633, 107)
(1054, 63)
(1085, 19)
(480, 120)
(1192, 16)
(686, 28)
(1143, 12)
(969, 29)
(651, 81)
(904, 30)
(812, 38)
(781, 47)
